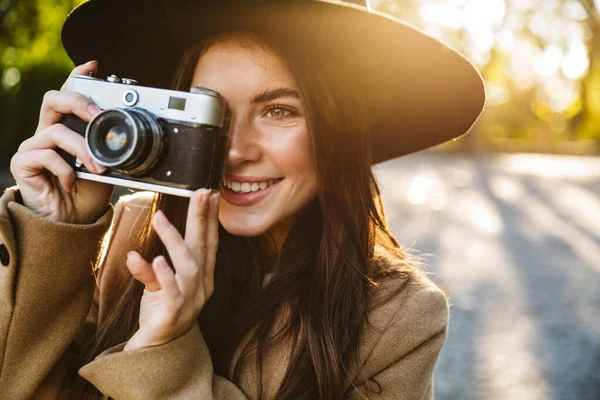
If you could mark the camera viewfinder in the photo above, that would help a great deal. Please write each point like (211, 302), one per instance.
(176, 103)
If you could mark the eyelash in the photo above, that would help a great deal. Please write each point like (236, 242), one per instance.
(289, 109)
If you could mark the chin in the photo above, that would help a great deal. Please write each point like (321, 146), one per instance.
(243, 228)
(243, 231)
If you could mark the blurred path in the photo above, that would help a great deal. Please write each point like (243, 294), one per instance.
(516, 240)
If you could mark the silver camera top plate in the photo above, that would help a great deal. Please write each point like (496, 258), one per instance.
(187, 107)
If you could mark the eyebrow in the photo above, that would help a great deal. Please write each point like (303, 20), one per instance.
(272, 94)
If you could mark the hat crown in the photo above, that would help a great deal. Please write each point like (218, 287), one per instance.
(363, 3)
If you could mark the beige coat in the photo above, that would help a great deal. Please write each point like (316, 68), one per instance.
(49, 301)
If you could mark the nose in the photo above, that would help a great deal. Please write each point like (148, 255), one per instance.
(244, 144)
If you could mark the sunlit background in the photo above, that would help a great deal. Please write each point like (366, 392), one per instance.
(540, 62)
(507, 217)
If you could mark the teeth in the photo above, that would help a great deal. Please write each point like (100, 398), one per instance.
(247, 187)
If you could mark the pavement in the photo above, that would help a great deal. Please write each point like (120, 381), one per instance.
(515, 242)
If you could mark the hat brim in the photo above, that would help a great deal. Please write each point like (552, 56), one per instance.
(427, 92)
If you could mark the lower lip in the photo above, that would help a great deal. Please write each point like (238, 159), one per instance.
(246, 199)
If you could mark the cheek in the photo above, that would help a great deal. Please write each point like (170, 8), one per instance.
(295, 162)
(293, 155)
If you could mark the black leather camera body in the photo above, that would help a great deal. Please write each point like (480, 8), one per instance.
(151, 139)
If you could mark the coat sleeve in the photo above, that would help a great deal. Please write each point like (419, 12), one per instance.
(401, 364)
(46, 289)
(180, 369)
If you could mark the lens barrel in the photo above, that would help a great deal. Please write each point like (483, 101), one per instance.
(127, 139)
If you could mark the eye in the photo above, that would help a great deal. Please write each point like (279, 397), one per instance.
(277, 112)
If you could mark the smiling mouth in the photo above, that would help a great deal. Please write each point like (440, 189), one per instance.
(248, 187)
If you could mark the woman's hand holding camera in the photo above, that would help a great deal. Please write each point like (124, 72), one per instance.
(46, 181)
(172, 300)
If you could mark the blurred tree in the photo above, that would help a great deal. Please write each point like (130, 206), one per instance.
(588, 122)
(32, 61)
(539, 59)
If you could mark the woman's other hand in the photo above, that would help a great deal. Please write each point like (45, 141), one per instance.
(172, 300)
(46, 181)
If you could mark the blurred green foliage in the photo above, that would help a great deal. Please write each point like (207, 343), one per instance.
(540, 60)
(32, 61)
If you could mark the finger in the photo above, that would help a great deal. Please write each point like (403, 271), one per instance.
(195, 228)
(60, 136)
(212, 245)
(185, 265)
(83, 69)
(142, 271)
(30, 166)
(196, 239)
(166, 278)
(57, 104)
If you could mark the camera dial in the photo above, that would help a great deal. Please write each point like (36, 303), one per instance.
(126, 139)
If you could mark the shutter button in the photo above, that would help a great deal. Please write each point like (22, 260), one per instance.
(4, 257)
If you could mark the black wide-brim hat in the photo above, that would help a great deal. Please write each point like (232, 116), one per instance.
(425, 93)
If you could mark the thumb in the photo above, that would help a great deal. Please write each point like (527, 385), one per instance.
(142, 271)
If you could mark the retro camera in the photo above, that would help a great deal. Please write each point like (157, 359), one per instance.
(151, 139)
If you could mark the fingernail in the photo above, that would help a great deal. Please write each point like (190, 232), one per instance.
(73, 188)
(200, 196)
(93, 109)
(87, 64)
(214, 198)
(159, 262)
(159, 218)
(99, 167)
(132, 255)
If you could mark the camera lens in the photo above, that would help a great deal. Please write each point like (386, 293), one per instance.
(116, 138)
(127, 139)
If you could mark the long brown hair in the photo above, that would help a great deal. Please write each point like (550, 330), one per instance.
(332, 260)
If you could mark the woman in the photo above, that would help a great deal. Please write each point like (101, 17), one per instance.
(290, 284)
